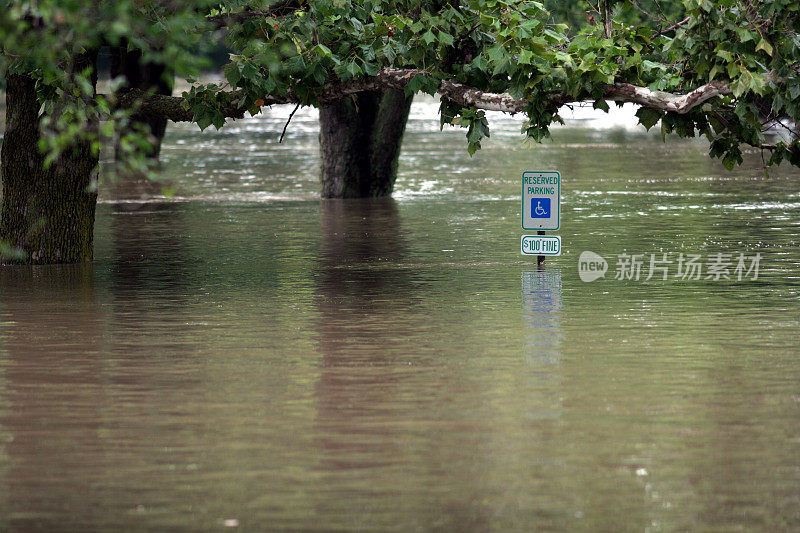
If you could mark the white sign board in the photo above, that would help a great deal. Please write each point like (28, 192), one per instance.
(541, 245)
(541, 200)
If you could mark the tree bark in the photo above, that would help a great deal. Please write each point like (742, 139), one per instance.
(360, 139)
(47, 213)
(146, 77)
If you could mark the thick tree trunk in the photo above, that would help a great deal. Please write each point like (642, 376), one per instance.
(147, 77)
(47, 214)
(360, 138)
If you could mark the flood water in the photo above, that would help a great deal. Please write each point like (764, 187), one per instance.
(243, 354)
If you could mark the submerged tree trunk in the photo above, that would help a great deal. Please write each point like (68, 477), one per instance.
(47, 213)
(147, 77)
(360, 138)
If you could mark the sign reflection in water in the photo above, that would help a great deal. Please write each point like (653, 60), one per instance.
(541, 313)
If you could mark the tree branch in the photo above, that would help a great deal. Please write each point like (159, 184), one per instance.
(662, 101)
(171, 107)
(673, 27)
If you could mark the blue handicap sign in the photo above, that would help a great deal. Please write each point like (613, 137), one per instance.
(540, 207)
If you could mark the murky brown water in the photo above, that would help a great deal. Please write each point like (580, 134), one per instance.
(243, 353)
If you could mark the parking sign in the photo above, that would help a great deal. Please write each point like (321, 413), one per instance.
(541, 200)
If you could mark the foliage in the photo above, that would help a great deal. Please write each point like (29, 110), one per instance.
(298, 49)
(756, 49)
(51, 40)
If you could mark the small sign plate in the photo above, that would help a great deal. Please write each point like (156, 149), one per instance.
(541, 245)
(541, 200)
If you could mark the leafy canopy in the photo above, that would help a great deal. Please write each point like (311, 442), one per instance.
(52, 41)
(300, 49)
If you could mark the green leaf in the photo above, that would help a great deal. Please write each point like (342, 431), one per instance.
(744, 34)
(555, 36)
(503, 66)
(496, 53)
(445, 38)
(370, 68)
(249, 71)
(320, 74)
(739, 87)
(724, 54)
(353, 69)
(218, 120)
(426, 84)
(233, 74)
(295, 64)
(474, 135)
(389, 53)
(428, 37)
(322, 50)
(757, 84)
(357, 25)
(764, 45)
(648, 65)
(204, 119)
(729, 161)
(648, 117)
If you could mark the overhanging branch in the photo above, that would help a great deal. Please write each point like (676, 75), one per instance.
(681, 104)
(171, 107)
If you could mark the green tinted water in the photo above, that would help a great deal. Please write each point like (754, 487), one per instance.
(243, 353)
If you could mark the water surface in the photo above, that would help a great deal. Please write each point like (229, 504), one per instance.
(241, 352)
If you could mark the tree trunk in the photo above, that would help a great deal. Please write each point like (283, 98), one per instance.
(360, 138)
(147, 77)
(47, 214)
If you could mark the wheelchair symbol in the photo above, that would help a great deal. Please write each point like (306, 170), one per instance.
(540, 207)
